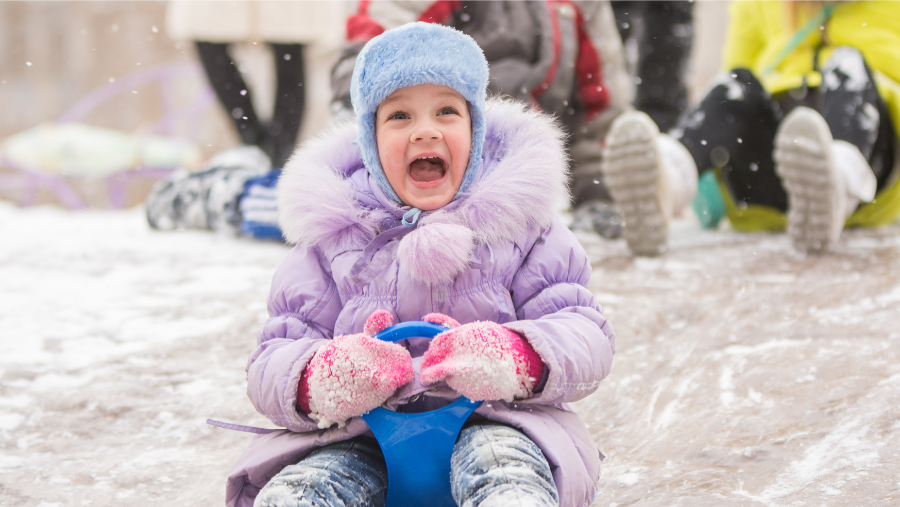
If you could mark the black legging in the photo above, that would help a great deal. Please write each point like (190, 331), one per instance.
(277, 138)
(733, 127)
(664, 31)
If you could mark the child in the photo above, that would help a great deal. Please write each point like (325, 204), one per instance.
(799, 133)
(437, 204)
(564, 57)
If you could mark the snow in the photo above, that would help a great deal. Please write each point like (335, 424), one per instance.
(847, 61)
(116, 343)
(749, 374)
(735, 91)
(745, 374)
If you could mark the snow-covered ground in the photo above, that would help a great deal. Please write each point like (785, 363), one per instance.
(746, 374)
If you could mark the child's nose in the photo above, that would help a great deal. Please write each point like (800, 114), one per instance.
(426, 131)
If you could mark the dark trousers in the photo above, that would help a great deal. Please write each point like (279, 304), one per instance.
(733, 128)
(664, 34)
(278, 137)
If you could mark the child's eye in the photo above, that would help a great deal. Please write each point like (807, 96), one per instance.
(447, 110)
(399, 115)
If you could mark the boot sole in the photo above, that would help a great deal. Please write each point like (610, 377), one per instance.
(631, 171)
(804, 163)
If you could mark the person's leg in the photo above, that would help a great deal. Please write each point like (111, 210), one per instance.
(732, 128)
(651, 177)
(289, 102)
(664, 51)
(231, 90)
(346, 474)
(854, 111)
(830, 160)
(206, 199)
(817, 199)
(592, 206)
(649, 174)
(626, 12)
(495, 465)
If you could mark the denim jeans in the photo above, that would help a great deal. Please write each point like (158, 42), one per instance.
(493, 465)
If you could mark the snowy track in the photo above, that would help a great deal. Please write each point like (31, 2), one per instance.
(746, 374)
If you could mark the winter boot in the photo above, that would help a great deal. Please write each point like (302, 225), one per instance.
(602, 217)
(206, 199)
(651, 177)
(825, 179)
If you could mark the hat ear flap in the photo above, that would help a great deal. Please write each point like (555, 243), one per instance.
(412, 54)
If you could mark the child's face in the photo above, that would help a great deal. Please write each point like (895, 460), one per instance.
(424, 134)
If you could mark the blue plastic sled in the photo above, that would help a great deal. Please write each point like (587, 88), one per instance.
(417, 447)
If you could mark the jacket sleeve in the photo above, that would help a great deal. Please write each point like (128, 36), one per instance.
(560, 318)
(303, 307)
(743, 41)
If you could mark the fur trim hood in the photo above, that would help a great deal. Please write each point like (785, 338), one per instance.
(327, 199)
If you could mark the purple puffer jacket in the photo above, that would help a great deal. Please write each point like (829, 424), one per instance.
(498, 253)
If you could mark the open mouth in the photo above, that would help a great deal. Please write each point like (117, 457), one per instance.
(427, 169)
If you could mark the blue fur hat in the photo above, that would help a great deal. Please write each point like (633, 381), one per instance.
(417, 53)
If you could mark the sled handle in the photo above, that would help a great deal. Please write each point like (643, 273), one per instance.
(417, 446)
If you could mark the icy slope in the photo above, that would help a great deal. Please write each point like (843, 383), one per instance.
(746, 374)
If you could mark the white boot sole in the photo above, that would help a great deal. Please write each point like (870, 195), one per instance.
(804, 162)
(631, 170)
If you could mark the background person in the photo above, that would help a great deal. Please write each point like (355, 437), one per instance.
(798, 133)
(236, 189)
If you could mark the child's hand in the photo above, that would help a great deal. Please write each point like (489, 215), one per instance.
(353, 374)
(482, 361)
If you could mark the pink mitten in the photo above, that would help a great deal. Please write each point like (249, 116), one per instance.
(353, 374)
(481, 361)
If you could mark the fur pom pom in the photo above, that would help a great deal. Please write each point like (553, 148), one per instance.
(436, 253)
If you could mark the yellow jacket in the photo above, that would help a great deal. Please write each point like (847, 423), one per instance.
(759, 31)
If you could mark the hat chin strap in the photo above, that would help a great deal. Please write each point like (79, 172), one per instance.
(410, 217)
